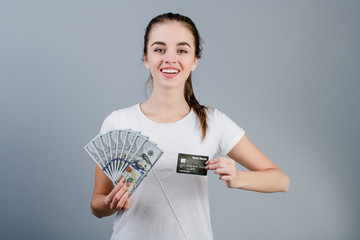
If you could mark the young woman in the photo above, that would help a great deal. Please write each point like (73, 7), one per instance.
(169, 204)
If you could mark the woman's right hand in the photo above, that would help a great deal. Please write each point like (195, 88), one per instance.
(107, 199)
(119, 197)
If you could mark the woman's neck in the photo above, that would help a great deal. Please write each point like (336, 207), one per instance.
(167, 105)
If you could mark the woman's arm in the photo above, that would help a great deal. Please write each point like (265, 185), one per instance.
(264, 175)
(107, 199)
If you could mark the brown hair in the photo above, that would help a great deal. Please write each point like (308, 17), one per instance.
(200, 110)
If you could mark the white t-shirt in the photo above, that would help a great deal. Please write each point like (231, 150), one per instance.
(167, 204)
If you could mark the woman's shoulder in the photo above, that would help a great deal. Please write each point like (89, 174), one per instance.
(125, 110)
(217, 116)
(213, 112)
(118, 116)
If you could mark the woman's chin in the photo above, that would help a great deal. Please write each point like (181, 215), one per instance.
(170, 85)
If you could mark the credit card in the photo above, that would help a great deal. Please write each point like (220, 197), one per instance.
(191, 164)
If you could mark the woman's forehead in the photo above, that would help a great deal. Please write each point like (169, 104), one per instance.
(170, 32)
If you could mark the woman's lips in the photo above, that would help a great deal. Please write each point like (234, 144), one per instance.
(169, 75)
(166, 72)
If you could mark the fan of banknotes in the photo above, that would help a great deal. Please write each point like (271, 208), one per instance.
(124, 154)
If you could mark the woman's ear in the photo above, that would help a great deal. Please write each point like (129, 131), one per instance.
(146, 62)
(193, 67)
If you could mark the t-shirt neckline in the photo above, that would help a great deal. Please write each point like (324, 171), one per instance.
(162, 124)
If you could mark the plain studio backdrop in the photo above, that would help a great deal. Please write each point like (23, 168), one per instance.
(287, 72)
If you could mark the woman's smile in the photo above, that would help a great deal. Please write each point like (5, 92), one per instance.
(170, 72)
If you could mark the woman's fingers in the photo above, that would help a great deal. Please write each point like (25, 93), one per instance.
(127, 203)
(118, 195)
(223, 166)
(122, 201)
(219, 159)
(222, 171)
(110, 196)
(225, 177)
(220, 162)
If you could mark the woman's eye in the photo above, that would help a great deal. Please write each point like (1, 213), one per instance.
(159, 50)
(182, 51)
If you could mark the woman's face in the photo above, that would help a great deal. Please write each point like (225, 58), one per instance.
(142, 164)
(170, 54)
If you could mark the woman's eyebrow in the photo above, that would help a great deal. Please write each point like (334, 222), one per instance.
(178, 44)
(159, 43)
(183, 43)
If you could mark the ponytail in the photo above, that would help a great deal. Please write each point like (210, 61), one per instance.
(200, 110)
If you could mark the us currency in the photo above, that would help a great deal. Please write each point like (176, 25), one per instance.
(141, 163)
(90, 149)
(133, 175)
(124, 154)
(122, 135)
(153, 153)
(113, 135)
(138, 142)
(105, 141)
(129, 141)
(100, 150)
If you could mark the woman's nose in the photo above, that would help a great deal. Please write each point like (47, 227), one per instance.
(170, 57)
(170, 61)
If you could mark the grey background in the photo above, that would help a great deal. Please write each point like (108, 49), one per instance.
(285, 71)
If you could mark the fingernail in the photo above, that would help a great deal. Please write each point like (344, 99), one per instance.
(128, 184)
(206, 167)
(124, 180)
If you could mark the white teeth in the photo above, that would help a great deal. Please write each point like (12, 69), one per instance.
(169, 71)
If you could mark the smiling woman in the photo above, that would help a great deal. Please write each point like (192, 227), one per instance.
(171, 53)
(172, 202)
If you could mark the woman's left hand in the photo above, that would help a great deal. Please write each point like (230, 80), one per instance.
(225, 167)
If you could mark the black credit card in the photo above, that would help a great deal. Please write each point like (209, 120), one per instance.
(191, 164)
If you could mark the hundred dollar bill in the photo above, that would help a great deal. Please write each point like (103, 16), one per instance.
(129, 141)
(90, 149)
(105, 141)
(137, 143)
(140, 164)
(133, 175)
(121, 139)
(113, 137)
(102, 154)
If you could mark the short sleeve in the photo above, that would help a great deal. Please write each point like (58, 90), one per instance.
(108, 123)
(228, 131)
